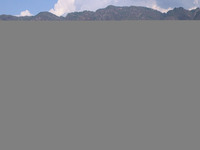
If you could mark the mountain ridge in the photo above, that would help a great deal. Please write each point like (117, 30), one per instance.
(113, 13)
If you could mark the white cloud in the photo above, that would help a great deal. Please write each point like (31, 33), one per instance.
(155, 6)
(63, 7)
(192, 8)
(25, 13)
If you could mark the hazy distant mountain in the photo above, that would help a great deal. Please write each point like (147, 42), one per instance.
(115, 13)
(118, 13)
(196, 14)
(46, 16)
(179, 14)
(8, 17)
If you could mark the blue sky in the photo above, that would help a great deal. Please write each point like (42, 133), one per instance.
(16, 6)
(62, 7)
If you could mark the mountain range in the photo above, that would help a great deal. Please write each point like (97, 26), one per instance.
(113, 13)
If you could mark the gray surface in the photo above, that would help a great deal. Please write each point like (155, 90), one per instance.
(99, 85)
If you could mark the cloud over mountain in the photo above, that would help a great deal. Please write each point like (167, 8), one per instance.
(62, 7)
(25, 13)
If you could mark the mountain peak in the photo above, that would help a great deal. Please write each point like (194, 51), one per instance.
(111, 6)
(46, 16)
